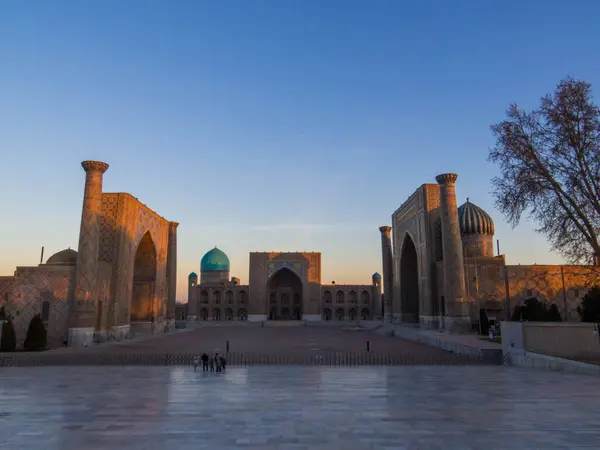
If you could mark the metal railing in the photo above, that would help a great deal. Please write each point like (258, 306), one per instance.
(338, 359)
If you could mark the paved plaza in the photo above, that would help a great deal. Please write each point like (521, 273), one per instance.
(250, 345)
(408, 407)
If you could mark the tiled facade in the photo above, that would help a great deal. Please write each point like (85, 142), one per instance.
(283, 285)
(119, 277)
(427, 247)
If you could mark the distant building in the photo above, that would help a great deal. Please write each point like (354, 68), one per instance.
(283, 286)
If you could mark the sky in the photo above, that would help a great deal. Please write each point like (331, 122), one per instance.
(270, 125)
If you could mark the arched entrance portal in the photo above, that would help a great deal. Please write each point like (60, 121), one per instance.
(285, 296)
(144, 277)
(409, 281)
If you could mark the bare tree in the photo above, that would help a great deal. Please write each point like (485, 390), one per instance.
(549, 162)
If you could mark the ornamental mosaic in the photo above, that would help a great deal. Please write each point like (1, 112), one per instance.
(294, 266)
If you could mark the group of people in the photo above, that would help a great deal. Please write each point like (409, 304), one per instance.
(214, 363)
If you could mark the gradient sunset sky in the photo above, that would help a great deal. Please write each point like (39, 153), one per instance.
(270, 125)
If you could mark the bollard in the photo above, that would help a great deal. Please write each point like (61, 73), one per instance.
(227, 346)
(368, 346)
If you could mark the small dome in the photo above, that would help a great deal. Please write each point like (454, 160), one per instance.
(474, 220)
(65, 257)
(214, 260)
(193, 275)
(377, 276)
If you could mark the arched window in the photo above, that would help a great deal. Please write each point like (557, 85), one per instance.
(365, 314)
(339, 314)
(228, 314)
(353, 297)
(352, 314)
(204, 314)
(327, 314)
(339, 297)
(242, 297)
(217, 295)
(229, 297)
(242, 314)
(365, 298)
(216, 314)
(327, 297)
(204, 297)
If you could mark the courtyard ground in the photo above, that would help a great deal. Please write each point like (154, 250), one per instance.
(296, 408)
(326, 345)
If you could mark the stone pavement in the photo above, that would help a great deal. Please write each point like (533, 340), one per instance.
(250, 345)
(285, 408)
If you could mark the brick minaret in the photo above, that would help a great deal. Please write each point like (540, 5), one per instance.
(457, 306)
(172, 270)
(82, 313)
(376, 279)
(388, 270)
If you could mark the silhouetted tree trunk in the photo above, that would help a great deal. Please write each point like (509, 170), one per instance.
(549, 161)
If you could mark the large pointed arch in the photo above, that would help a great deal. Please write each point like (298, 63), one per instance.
(144, 278)
(284, 291)
(409, 280)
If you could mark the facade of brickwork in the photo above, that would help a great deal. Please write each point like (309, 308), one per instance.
(119, 276)
(283, 286)
(424, 233)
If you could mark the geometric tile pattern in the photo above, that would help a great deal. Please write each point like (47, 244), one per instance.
(300, 408)
(31, 287)
(124, 221)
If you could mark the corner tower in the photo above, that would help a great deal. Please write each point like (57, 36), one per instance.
(377, 312)
(81, 318)
(457, 306)
(388, 270)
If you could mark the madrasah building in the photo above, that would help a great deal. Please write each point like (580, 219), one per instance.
(283, 286)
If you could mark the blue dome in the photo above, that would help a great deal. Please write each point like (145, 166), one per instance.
(193, 275)
(377, 276)
(474, 220)
(214, 260)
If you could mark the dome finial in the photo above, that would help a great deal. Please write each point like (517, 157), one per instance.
(467, 199)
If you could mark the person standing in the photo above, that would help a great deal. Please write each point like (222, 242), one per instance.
(204, 359)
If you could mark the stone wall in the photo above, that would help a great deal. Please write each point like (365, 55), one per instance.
(564, 340)
(41, 290)
(563, 286)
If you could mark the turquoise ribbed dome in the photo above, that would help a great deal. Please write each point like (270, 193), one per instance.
(474, 220)
(214, 260)
(193, 275)
(377, 276)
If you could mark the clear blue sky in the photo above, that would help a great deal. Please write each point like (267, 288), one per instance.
(269, 125)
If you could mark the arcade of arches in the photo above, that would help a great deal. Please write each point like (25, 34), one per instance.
(346, 305)
(144, 278)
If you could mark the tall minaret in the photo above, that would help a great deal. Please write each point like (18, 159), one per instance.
(172, 270)
(457, 305)
(388, 270)
(376, 296)
(84, 305)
